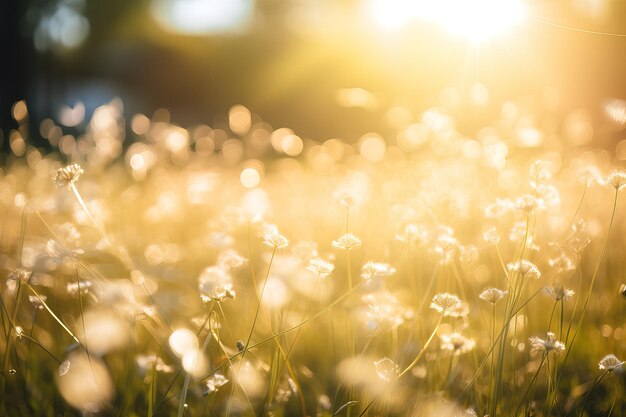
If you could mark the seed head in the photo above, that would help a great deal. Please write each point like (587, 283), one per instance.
(578, 242)
(492, 236)
(274, 239)
(346, 242)
(373, 270)
(320, 267)
(549, 344)
(469, 255)
(68, 175)
(20, 274)
(617, 179)
(610, 363)
(529, 203)
(215, 284)
(492, 295)
(215, 382)
(562, 263)
(445, 303)
(525, 268)
(19, 332)
(541, 171)
(558, 292)
(589, 176)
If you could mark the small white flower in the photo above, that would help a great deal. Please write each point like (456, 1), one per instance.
(215, 284)
(549, 344)
(492, 295)
(541, 171)
(559, 292)
(274, 239)
(445, 303)
(525, 268)
(68, 175)
(610, 363)
(617, 179)
(562, 263)
(20, 274)
(469, 255)
(346, 242)
(590, 175)
(215, 382)
(529, 202)
(373, 270)
(320, 267)
(491, 236)
(19, 332)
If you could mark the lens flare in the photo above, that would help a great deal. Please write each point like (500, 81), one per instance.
(474, 20)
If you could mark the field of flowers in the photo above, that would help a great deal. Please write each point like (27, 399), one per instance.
(238, 269)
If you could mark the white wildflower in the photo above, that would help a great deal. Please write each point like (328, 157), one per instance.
(445, 303)
(373, 270)
(491, 236)
(215, 382)
(616, 179)
(492, 295)
(273, 238)
(320, 267)
(347, 242)
(68, 175)
(610, 363)
(558, 292)
(549, 344)
(215, 284)
(525, 268)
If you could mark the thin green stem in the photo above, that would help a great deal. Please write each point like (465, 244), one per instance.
(269, 338)
(532, 382)
(593, 277)
(413, 363)
(183, 397)
(259, 302)
(421, 353)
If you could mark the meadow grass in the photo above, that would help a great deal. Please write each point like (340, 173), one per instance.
(169, 271)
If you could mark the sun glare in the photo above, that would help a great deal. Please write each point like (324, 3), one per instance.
(474, 20)
(481, 20)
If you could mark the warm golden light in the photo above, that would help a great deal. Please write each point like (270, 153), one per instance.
(480, 20)
(474, 20)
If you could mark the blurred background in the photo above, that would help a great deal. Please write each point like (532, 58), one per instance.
(326, 68)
